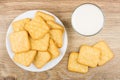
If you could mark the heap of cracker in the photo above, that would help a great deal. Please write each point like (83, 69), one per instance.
(89, 56)
(36, 40)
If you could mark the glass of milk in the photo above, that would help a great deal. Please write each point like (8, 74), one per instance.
(87, 19)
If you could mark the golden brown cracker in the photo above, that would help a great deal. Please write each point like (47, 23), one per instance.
(54, 25)
(57, 36)
(40, 44)
(41, 59)
(106, 54)
(89, 56)
(53, 49)
(37, 28)
(25, 58)
(45, 16)
(74, 66)
(20, 24)
(19, 41)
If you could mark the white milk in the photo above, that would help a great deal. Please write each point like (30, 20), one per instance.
(87, 19)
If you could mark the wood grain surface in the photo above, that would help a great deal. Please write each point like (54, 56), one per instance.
(9, 9)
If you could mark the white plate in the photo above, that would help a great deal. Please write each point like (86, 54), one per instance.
(52, 63)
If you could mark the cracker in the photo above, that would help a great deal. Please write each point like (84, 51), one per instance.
(20, 24)
(45, 16)
(106, 54)
(19, 41)
(57, 36)
(41, 59)
(40, 44)
(37, 28)
(74, 66)
(25, 58)
(54, 25)
(89, 56)
(53, 49)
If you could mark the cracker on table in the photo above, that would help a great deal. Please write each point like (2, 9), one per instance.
(74, 66)
(106, 53)
(89, 56)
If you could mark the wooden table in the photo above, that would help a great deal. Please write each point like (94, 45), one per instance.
(9, 9)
